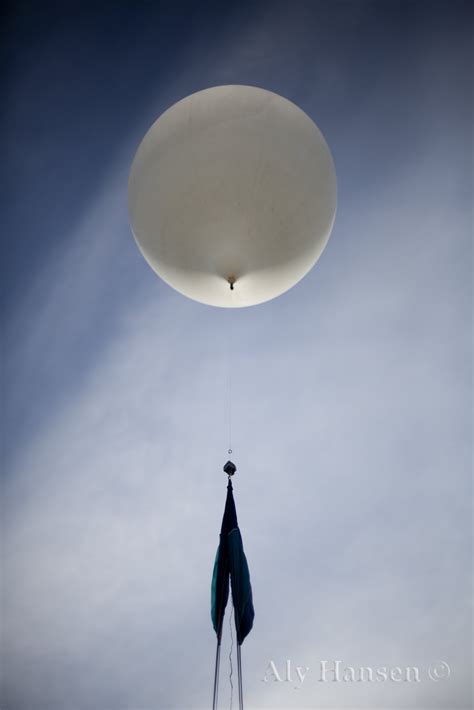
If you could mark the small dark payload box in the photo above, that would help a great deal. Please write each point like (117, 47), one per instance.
(230, 468)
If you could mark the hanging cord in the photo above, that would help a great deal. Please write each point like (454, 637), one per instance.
(239, 676)
(229, 377)
(216, 677)
(230, 658)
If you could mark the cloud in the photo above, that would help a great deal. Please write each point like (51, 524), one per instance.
(350, 427)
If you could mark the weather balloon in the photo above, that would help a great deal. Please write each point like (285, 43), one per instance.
(232, 195)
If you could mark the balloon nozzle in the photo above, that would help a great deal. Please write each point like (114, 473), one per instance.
(231, 281)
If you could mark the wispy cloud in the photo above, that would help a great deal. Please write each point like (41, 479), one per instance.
(351, 434)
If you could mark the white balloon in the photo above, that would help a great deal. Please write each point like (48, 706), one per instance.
(233, 184)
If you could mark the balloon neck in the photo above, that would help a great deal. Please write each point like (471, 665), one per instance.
(231, 282)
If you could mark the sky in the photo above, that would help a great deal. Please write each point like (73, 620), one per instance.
(351, 397)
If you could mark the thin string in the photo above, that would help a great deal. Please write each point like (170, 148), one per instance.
(216, 677)
(230, 658)
(229, 382)
(239, 676)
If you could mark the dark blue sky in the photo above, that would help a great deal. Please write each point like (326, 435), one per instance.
(352, 400)
(80, 82)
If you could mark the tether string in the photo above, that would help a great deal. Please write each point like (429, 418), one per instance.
(239, 674)
(230, 658)
(229, 377)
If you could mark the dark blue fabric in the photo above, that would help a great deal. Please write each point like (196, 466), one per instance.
(231, 563)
